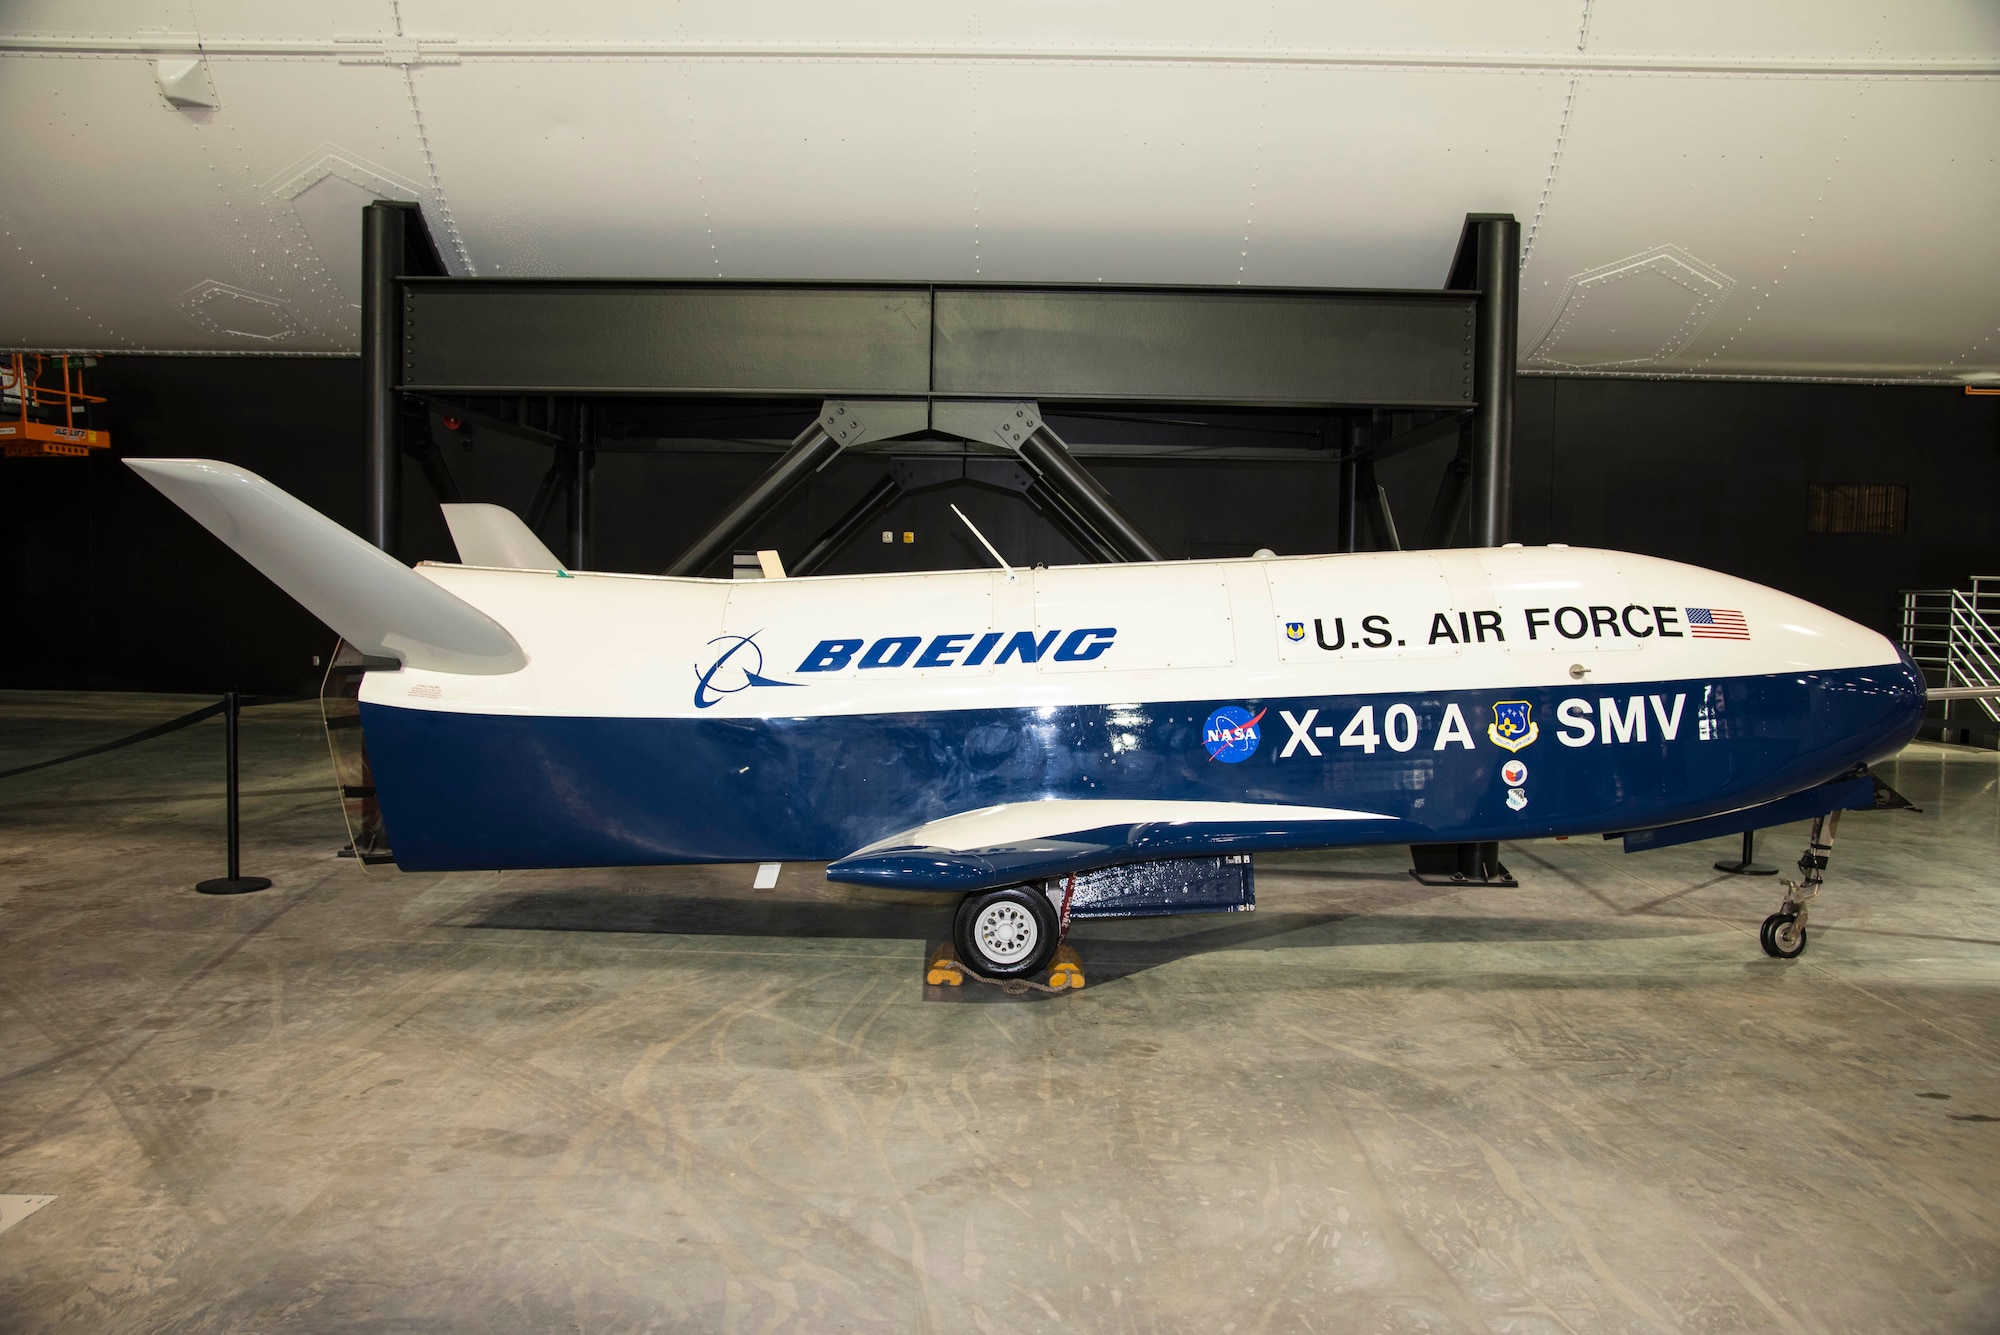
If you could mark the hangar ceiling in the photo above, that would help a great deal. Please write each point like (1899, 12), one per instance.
(1706, 188)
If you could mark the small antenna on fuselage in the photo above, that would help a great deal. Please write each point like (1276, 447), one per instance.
(983, 542)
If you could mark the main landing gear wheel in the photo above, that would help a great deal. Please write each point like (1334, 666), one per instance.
(1782, 937)
(1008, 933)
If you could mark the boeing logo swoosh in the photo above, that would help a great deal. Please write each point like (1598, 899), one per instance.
(707, 693)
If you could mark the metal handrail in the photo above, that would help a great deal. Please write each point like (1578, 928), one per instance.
(1954, 634)
(1975, 646)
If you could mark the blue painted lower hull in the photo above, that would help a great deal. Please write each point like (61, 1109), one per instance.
(486, 791)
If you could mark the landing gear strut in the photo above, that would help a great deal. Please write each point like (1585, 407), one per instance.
(1784, 932)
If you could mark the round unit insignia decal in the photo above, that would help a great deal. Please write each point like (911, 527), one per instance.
(1513, 774)
(1231, 734)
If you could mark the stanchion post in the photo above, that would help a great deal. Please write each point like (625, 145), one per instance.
(1748, 865)
(235, 883)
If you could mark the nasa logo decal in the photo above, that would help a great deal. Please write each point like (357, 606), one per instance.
(737, 668)
(1231, 734)
(1513, 774)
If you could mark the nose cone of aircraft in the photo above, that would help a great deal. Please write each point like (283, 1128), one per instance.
(1890, 709)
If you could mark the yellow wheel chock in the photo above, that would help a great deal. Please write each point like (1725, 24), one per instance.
(1067, 972)
(944, 968)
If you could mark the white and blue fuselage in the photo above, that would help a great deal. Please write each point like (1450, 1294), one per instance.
(1033, 722)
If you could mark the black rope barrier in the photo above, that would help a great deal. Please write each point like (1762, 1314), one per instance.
(157, 730)
(235, 883)
(146, 735)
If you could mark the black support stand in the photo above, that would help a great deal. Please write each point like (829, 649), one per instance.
(236, 883)
(1748, 865)
(1460, 864)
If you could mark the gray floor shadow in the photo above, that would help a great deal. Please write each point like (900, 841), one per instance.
(1111, 948)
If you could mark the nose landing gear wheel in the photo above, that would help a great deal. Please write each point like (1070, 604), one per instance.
(1007, 933)
(1782, 937)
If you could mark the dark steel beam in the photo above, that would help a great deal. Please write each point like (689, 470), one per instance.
(1074, 529)
(1256, 347)
(1215, 346)
(1375, 505)
(551, 486)
(1489, 258)
(1047, 455)
(828, 545)
(808, 454)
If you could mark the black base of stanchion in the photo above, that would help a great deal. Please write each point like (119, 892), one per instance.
(232, 885)
(1747, 865)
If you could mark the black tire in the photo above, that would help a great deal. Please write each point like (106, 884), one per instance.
(1007, 933)
(1768, 937)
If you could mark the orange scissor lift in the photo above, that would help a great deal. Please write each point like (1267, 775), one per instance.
(29, 430)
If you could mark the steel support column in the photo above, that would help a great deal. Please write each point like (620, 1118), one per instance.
(395, 244)
(1359, 439)
(1497, 271)
(381, 352)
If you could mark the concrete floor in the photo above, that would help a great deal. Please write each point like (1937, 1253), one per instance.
(657, 1100)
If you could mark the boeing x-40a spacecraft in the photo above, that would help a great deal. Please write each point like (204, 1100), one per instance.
(1114, 739)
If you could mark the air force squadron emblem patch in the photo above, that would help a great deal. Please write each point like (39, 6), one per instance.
(1511, 727)
(1295, 630)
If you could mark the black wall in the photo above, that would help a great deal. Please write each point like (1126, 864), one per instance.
(108, 586)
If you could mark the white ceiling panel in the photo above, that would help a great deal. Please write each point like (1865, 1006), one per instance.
(1776, 190)
(1826, 206)
(1347, 25)
(177, 228)
(1893, 28)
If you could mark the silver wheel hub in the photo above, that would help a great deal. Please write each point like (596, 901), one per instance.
(1006, 932)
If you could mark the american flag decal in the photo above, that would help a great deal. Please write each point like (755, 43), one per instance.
(1717, 623)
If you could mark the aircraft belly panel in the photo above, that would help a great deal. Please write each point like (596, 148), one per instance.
(473, 791)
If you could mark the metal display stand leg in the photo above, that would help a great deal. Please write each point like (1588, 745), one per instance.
(1748, 865)
(235, 883)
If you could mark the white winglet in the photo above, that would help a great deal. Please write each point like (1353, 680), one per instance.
(493, 535)
(375, 602)
(1020, 822)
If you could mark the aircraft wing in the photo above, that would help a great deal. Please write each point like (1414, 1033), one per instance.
(1026, 841)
